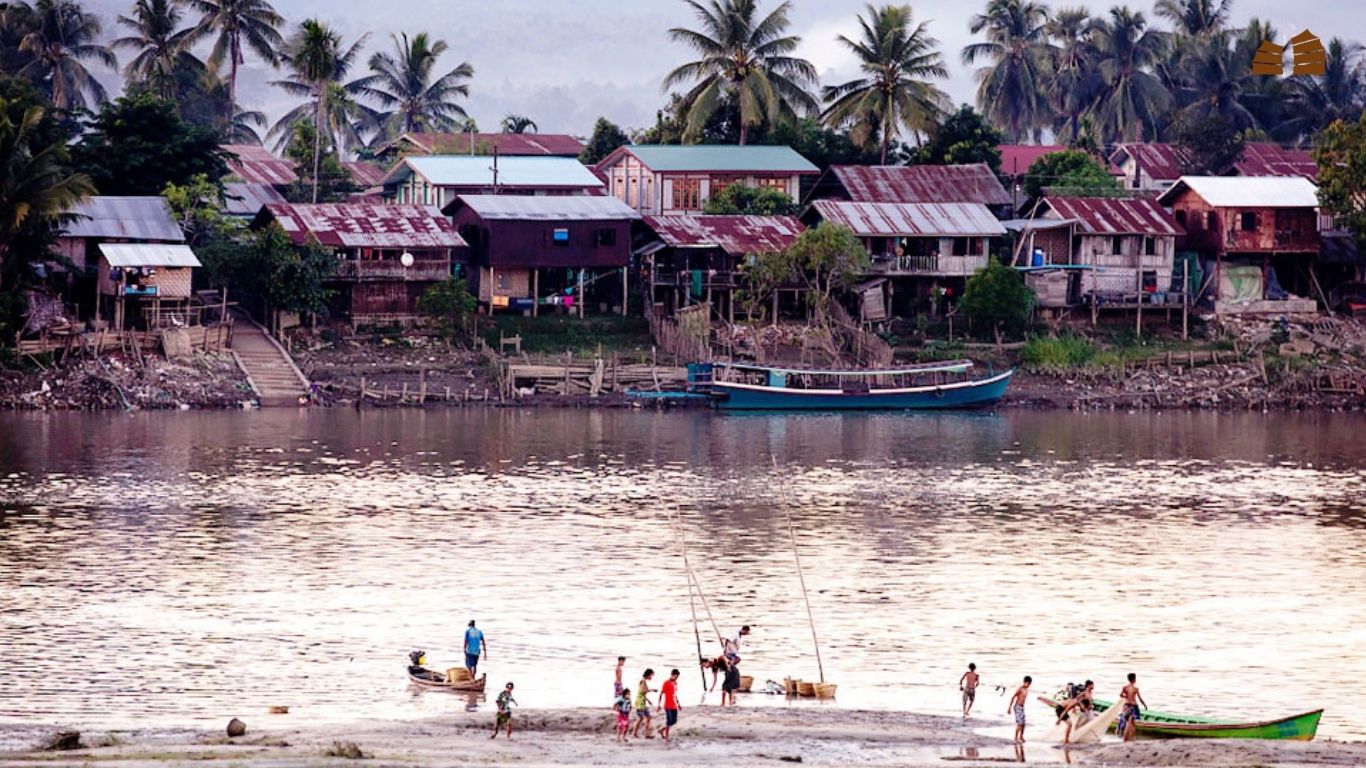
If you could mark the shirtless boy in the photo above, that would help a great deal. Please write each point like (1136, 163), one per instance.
(968, 685)
(1077, 711)
(1017, 707)
(1130, 698)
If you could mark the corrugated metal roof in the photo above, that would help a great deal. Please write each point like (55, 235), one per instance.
(911, 219)
(973, 183)
(243, 199)
(1247, 191)
(1263, 158)
(365, 226)
(257, 165)
(752, 158)
(516, 144)
(513, 172)
(1161, 162)
(148, 255)
(125, 218)
(736, 235)
(547, 208)
(364, 174)
(1114, 215)
(1016, 158)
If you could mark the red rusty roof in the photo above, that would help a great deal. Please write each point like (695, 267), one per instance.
(1115, 215)
(346, 225)
(1016, 158)
(736, 235)
(973, 183)
(1263, 158)
(257, 165)
(1161, 162)
(364, 174)
(530, 144)
(911, 219)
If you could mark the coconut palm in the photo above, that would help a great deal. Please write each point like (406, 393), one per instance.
(403, 83)
(1195, 18)
(1215, 79)
(897, 60)
(319, 63)
(1012, 91)
(59, 40)
(1317, 101)
(237, 25)
(519, 124)
(1132, 100)
(745, 59)
(1072, 58)
(162, 46)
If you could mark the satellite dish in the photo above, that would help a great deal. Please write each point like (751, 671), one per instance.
(406, 259)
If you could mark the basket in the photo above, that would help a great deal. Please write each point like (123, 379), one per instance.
(825, 690)
(746, 683)
(457, 675)
(806, 689)
(790, 686)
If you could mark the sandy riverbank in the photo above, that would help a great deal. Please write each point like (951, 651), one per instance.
(582, 737)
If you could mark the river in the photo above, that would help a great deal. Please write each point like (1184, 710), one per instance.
(181, 568)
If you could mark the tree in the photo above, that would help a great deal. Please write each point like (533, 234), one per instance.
(1318, 101)
(1011, 92)
(37, 188)
(897, 61)
(1195, 18)
(740, 200)
(824, 260)
(334, 182)
(198, 208)
(1074, 81)
(404, 83)
(138, 144)
(59, 40)
(450, 304)
(997, 298)
(607, 136)
(237, 25)
(163, 48)
(743, 57)
(1212, 145)
(518, 124)
(965, 137)
(1340, 151)
(1073, 172)
(1131, 101)
(1214, 79)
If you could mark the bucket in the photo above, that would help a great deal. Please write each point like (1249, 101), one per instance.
(746, 683)
(806, 689)
(825, 690)
(457, 675)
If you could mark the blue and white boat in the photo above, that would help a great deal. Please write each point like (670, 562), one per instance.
(933, 386)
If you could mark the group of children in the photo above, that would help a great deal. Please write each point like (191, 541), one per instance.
(1075, 710)
(625, 706)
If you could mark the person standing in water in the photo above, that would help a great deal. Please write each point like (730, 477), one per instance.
(1017, 707)
(968, 685)
(475, 646)
(618, 688)
(1129, 699)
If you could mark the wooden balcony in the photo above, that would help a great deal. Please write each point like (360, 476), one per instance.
(721, 281)
(1266, 241)
(931, 265)
(392, 271)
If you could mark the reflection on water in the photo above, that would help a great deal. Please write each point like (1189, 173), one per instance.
(194, 566)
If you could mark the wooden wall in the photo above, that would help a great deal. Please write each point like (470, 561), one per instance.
(1276, 230)
(529, 243)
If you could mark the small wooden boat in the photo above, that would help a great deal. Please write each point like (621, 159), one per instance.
(430, 678)
(935, 386)
(1163, 725)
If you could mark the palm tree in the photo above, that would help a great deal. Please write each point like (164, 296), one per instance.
(1215, 80)
(519, 124)
(1317, 102)
(59, 41)
(319, 64)
(239, 24)
(1012, 91)
(897, 60)
(1195, 18)
(745, 59)
(162, 48)
(1131, 100)
(403, 83)
(1072, 58)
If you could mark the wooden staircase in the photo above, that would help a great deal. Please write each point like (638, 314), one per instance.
(270, 370)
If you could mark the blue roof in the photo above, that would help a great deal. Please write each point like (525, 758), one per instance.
(727, 158)
(477, 171)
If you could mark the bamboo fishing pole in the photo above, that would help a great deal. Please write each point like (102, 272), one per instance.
(692, 605)
(792, 531)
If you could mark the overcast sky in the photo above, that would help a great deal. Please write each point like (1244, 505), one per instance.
(565, 62)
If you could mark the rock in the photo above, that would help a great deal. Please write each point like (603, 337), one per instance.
(346, 749)
(63, 740)
(236, 728)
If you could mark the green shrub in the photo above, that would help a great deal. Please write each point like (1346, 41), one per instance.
(1052, 354)
(996, 298)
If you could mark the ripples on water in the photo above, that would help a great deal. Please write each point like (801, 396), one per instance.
(182, 568)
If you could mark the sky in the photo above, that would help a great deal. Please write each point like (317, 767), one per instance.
(565, 62)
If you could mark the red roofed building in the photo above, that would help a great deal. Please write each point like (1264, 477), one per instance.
(1016, 158)
(1262, 158)
(255, 164)
(509, 144)
(973, 183)
(1130, 241)
(1158, 166)
(387, 255)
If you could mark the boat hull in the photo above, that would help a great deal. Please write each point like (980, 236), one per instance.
(1162, 725)
(430, 678)
(967, 394)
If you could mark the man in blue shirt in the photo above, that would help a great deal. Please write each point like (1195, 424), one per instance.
(475, 646)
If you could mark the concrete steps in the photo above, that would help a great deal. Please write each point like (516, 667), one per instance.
(278, 382)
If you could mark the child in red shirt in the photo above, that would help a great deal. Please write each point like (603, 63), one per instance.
(669, 696)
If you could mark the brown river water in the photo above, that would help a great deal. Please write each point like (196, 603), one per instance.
(181, 568)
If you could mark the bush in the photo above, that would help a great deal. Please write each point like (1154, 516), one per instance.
(997, 298)
(449, 303)
(1053, 354)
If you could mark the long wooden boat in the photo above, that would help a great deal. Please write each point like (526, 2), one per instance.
(934, 386)
(1163, 725)
(430, 678)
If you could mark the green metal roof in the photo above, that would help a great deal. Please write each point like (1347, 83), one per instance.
(723, 158)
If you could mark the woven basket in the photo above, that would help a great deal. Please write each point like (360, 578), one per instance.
(825, 690)
(790, 686)
(806, 689)
(457, 675)
(746, 683)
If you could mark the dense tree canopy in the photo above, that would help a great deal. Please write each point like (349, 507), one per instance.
(138, 144)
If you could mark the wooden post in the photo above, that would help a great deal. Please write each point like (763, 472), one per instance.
(581, 299)
(1138, 321)
(1185, 298)
(625, 291)
(422, 387)
(535, 292)
(403, 396)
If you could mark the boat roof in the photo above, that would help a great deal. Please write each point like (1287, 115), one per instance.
(953, 366)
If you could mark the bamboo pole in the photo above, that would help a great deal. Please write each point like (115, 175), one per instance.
(792, 532)
(692, 606)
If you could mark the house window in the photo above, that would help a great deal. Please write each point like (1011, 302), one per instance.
(774, 182)
(633, 194)
(1149, 246)
(607, 236)
(722, 181)
(1211, 222)
(1248, 221)
(559, 237)
(1181, 218)
(1116, 245)
(965, 246)
(687, 194)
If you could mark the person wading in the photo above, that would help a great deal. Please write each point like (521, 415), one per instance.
(475, 646)
(1129, 699)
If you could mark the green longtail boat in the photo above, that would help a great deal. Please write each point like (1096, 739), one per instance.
(1162, 725)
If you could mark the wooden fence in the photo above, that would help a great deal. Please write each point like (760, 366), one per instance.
(202, 338)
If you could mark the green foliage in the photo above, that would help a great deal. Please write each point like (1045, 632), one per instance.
(741, 200)
(1213, 145)
(555, 334)
(964, 137)
(198, 208)
(1341, 156)
(138, 144)
(265, 267)
(607, 136)
(1053, 354)
(449, 304)
(825, 260)
(334, 181)
(997, 298)
(1073, 172)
